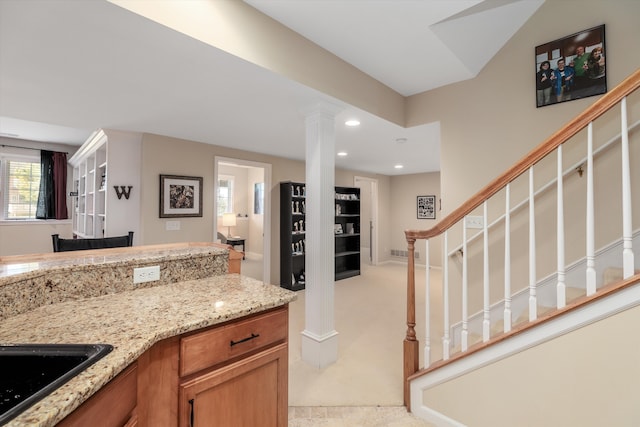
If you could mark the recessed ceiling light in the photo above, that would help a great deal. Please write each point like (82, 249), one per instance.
(342, 153)
(398, 166)
(352, 123)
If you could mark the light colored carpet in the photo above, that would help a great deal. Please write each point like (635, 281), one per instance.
(370, 317)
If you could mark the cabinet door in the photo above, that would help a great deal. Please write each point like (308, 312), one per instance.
(248, 393)
(113, 406)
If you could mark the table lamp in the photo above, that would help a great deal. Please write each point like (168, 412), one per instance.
(229, 220)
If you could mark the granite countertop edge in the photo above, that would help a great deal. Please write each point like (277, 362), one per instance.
(131, 321)
(25, 270)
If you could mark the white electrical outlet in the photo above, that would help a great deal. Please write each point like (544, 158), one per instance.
(172, 225)
(146, 274)
(474, 221)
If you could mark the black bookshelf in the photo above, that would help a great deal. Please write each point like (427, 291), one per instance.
(347, 232)
(292, 235)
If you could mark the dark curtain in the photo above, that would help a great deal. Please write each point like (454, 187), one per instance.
(52, 202)
(60, 184)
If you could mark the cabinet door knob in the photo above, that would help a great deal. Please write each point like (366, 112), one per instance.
(253, 336)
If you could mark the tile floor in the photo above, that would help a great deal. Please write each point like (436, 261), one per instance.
(353, 416)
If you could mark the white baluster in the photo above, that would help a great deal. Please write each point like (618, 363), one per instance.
(533, 299)
(446, 341)
(507, 260)
(627, 238)
(464, 335)
(427, 305)
(591, 259)
(561, 294)
(486, 321)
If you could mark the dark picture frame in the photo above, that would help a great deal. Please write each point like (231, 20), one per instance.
(426, 207)
(570, 68)
(180, 196)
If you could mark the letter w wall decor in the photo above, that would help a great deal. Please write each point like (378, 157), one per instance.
(122, 190)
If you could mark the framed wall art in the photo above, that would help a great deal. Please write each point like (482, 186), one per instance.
(570, 68)
(426, 207)
(180, 196)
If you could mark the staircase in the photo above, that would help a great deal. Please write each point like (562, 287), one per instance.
(528, 295)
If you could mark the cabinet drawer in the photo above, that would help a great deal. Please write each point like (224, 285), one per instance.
(205, 349)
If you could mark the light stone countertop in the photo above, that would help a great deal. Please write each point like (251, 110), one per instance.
(132, 322)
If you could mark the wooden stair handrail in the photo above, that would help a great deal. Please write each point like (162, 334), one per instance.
(596, 110)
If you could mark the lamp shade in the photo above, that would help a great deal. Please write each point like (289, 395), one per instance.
(229, 220)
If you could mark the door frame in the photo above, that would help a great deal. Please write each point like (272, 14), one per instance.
(373, 185)
(266, 218)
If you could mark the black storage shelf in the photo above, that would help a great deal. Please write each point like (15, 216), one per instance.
(347, 253)
(347, 236)
(292, 234)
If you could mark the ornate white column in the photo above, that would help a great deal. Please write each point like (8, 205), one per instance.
(319, 338)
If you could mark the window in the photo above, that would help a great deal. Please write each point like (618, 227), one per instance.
(20, 187)
(225, 194)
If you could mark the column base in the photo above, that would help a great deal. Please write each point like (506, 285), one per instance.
(319, 351)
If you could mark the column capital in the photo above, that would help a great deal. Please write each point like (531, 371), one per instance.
(324, 108)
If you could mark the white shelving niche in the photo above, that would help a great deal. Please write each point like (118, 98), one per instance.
(106, 158)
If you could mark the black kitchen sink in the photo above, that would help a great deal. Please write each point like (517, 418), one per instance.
(29, 372)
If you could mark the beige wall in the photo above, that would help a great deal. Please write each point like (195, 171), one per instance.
(165, 155)
(403, 210)
(585, 378)
(491, 121)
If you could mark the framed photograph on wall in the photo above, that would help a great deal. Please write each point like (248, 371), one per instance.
(570, 68)
(180, 196)
(426, 207)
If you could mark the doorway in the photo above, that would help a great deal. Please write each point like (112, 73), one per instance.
(368, 219)
(248, 189)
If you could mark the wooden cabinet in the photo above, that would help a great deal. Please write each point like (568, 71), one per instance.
(113, 406)
(248, 393)
(230, 375)
(234, 374)
(347, 233)
(293, 233)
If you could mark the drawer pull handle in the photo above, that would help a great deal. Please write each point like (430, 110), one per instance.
(253, 336)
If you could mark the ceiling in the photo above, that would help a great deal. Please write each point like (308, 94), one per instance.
(68, 68)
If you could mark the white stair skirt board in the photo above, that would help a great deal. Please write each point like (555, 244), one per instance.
(608, 260)
(576, 319)
(319, 351)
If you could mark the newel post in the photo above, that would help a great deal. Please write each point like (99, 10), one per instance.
(411, 345)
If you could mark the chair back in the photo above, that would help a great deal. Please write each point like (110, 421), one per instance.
(63, 245)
